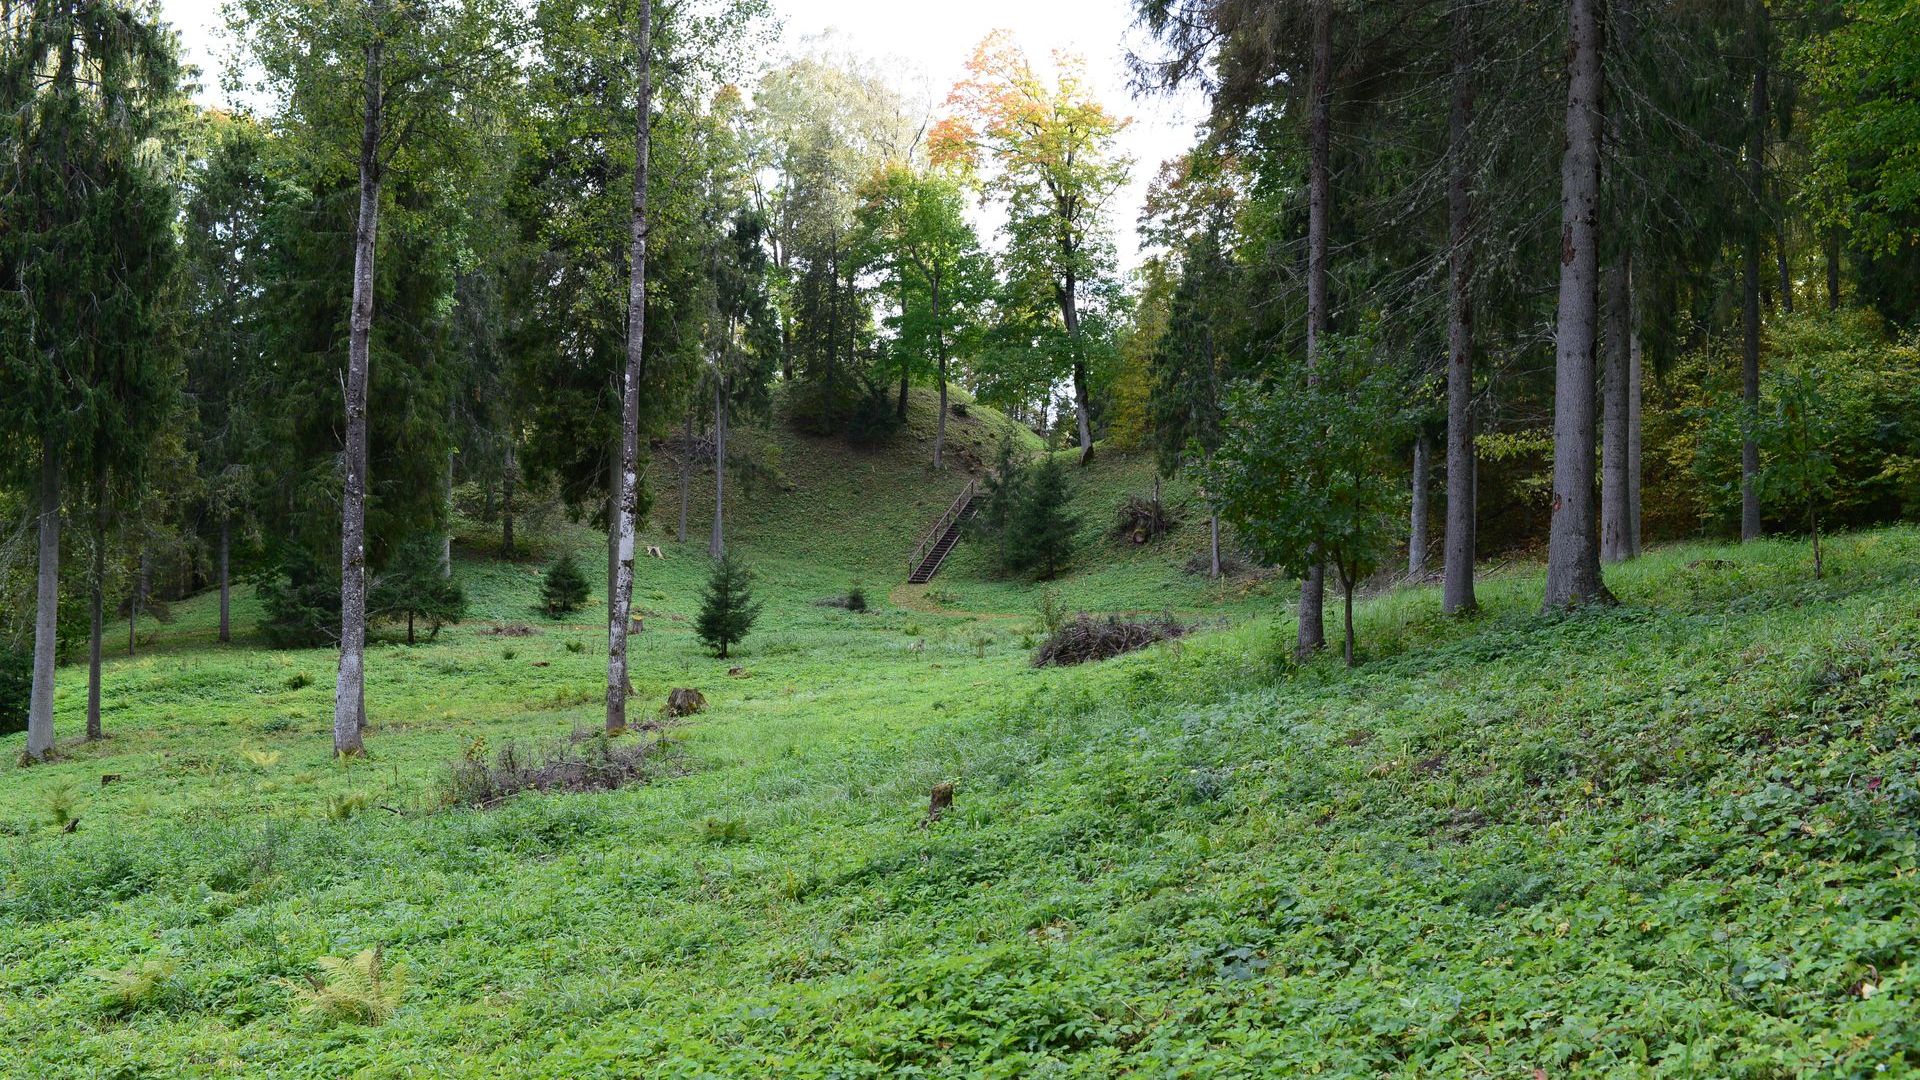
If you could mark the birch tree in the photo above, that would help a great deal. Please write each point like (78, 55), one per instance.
(365, 86)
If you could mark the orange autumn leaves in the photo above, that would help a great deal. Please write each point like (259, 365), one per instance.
(1004, 114)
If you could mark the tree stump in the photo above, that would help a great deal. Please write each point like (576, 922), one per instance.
(942, 801)
(685, 702)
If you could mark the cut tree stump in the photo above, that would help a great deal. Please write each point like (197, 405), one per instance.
(942, 801)
(685, 702)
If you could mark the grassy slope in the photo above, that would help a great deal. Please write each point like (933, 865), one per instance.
(1672, 838)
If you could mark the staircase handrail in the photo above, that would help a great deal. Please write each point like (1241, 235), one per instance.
(942, 524)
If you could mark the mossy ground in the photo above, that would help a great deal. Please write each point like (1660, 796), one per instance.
(1676, 837)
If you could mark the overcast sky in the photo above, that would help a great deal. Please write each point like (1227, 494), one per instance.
(931, 42)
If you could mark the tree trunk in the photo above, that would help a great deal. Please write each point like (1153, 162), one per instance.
(1615, 519)
(628, 494)
(1069, 296)
(1346, 586)
(349, 694)
(1750, 526)
(97, 631)
(1635, 373)
(1813, 524)
(1833, 270)
(141, 585)
(1573, 552)
(1417, 527)
(940, 361)
(900, 407)
(46, 611)
(1456, 589)
(226, 581)
(686, 472)
(1213, 545)
(1312, 635)
(716, 544)
(1786, 269)
(509, 477)
(446, 532)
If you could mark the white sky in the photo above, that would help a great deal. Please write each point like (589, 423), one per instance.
(930, 41)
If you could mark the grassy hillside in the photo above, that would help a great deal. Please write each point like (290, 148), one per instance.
(1677, 837)
(816, 507)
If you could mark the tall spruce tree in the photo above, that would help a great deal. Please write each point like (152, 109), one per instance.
(85, 265)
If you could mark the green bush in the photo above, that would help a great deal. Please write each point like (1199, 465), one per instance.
(1870, 431)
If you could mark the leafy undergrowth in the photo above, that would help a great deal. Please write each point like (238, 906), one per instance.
(1677, 837)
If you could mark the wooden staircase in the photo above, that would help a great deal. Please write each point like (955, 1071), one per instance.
(940, 539)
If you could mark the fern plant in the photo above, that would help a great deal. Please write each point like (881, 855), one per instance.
(135, 987)
(360, 988)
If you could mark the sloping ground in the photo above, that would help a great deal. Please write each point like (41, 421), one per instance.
(1673, 838)
(813, 505)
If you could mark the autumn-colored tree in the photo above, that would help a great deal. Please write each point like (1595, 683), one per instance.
(1049, 151)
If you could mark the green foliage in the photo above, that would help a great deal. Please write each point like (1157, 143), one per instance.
(16, 687)
(1040, 538)
(856, 599)
(345, 805)
(563, 589)
(871, 420)
(1001, 491)
(727, 607)
(147, 984)
(1864, 174)
(361, 988)
(413, 589)
(723, 831)
(89, 254)
(1849, 392)
(301, 603)
(61, 801)
(1306, 471)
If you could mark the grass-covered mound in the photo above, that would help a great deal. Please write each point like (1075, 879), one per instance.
(1676, 837)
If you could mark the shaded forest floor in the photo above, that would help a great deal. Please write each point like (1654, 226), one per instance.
(1676, 837)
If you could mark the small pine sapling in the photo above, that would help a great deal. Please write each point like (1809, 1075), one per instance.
(564, 588)
(727, 609)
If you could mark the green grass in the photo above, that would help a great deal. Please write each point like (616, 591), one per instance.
(1677, 837)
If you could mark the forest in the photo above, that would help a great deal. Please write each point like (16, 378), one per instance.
(1423, 581)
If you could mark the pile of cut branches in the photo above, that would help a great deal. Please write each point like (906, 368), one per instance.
(587, 761)
(1143, 520)
(1086, 638)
